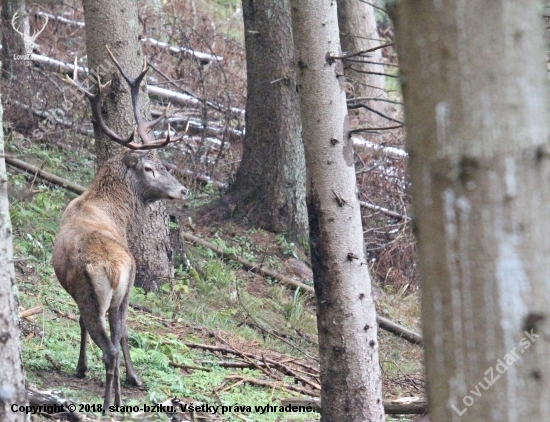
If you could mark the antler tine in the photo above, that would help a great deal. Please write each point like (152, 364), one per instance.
(98, 118)
(143, 126)
(162, 142)
(74, 82)
(177, 138)
(131, 81)
(134, 83)
(95, 101)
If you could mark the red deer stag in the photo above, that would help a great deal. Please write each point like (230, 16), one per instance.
(91, 258)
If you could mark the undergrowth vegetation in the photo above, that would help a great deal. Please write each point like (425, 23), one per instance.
(222, 303)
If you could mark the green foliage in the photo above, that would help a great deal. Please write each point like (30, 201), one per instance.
(289, 248)
(294, 311)
(36, 222)
(244, 248)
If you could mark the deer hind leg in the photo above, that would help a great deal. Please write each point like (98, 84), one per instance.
(94, 322)
(93, 300)
(132, 378)
(116, 323)
(117, 320)
(82, 366)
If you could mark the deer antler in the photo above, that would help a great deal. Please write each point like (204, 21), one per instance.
(143, 126)
(95, 101)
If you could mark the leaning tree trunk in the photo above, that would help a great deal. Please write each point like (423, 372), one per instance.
(116, 24)
(476, 105)
(346, 318)
(359, 32)
(12, 377)
(269, 188)
(12, 42)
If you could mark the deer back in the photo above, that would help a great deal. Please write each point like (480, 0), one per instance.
(92, 233)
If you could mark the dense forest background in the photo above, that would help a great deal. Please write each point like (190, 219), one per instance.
(234, 324)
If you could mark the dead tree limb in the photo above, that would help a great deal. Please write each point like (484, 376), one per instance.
(73, 187)
(264, 364)
(166, 94)
(31, 311)
(42, 398)
(384, 323)
(279, 385)
(255, 268)
(379, 150)
(383, 210)
(52, 178)
(204, 58)
(400, 331)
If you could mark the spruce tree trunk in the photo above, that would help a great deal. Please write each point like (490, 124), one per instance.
(12, 376)
(269, 189)
(476, 103)
(359, 32)
(116, 24)
(346, 317)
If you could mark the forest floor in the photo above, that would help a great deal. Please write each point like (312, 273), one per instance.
(216, 334)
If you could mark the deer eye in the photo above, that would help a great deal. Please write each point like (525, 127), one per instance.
(148, 168)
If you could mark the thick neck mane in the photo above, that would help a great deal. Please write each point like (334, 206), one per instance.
(112, 190)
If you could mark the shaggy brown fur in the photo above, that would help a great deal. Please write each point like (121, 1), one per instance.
(91, 258)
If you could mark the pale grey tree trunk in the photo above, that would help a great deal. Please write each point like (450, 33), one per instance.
(269, 189)
(12, 42)
(116, 24)
(346, 318)
(359, 32)
(476, 105)
(12, 376)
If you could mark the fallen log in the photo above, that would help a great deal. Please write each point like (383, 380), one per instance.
(384, 323)
(166, 94)
(400, 331)
(73, 187)
(204, 58)
(52, 178)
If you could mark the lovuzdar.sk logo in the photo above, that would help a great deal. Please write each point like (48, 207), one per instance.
(28, 39)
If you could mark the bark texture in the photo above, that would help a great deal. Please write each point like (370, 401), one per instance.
(359, 32)
(346, 317)
(12, 42)
(12, 376)
(116, 24)
(270, 184)
(476, 103)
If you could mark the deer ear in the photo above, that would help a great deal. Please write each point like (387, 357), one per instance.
(132, 158)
